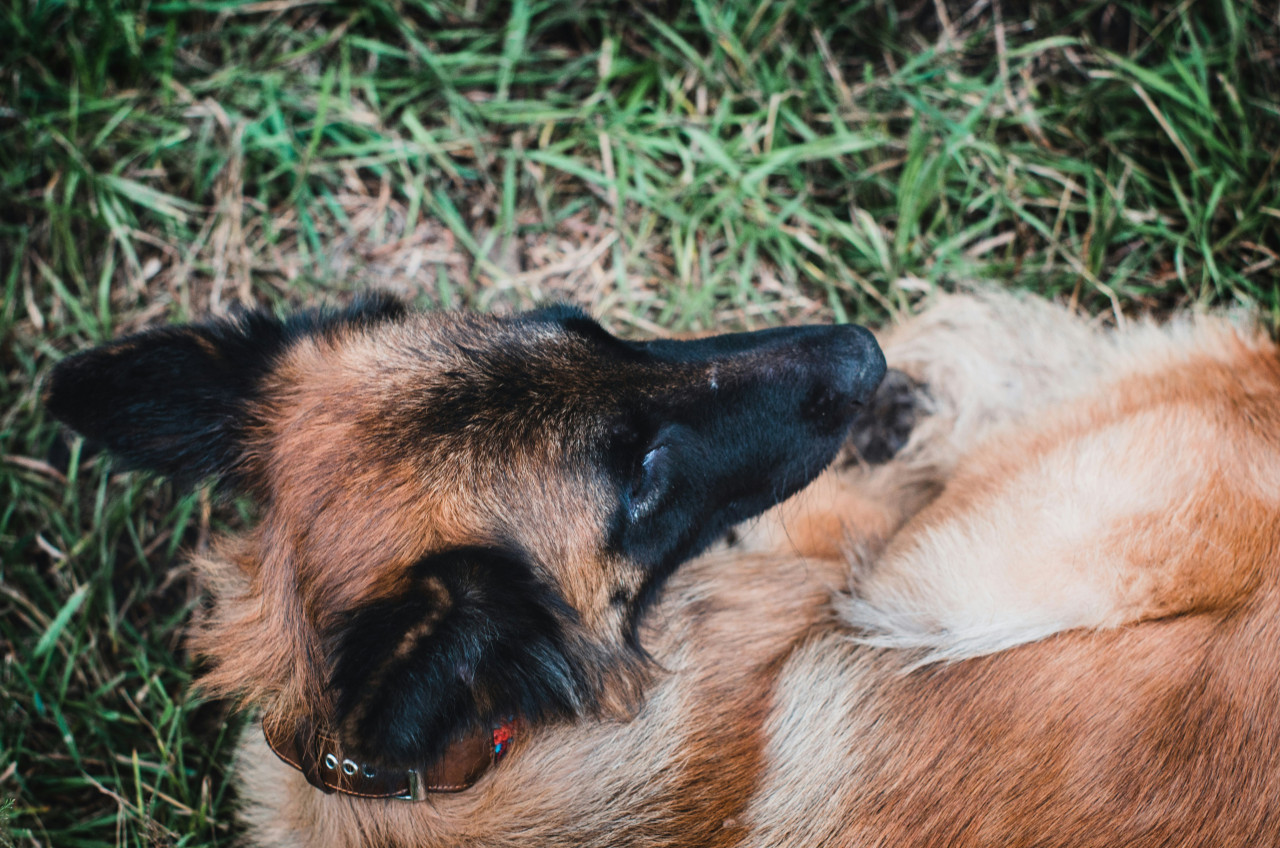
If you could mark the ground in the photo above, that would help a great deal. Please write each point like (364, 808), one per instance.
(669, 165)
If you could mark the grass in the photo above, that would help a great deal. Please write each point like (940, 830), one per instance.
(671, 165)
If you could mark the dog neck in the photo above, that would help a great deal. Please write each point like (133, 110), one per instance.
(319, 756)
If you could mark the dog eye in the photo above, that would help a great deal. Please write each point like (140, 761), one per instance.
(650, 480)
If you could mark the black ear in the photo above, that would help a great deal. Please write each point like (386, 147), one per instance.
(172, 399)
(475, 640)
(175, 399)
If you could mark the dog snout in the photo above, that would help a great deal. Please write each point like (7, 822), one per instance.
(845, 358)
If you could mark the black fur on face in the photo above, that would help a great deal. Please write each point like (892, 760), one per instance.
(756, 417)
(476, 639)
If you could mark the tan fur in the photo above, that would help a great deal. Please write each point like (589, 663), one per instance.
(1125, 504)
(1085, 527)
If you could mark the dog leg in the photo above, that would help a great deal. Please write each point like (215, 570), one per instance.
(1114, 499)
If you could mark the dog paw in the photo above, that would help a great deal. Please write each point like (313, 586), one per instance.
(883, 426)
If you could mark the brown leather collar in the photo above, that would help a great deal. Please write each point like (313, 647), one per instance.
(319, 757)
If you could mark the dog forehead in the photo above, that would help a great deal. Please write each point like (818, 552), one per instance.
(421, 343)
(432, 351)
(385, 442)
(433, 392)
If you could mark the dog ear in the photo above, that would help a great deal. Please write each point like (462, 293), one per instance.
(175, 400)
(477, 638)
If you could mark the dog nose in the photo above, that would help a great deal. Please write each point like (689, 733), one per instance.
(844, 361)
(855, 359)
(843, 365)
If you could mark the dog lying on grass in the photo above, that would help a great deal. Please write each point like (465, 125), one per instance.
(1033, 600)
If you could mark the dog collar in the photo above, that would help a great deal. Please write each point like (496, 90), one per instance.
(320, 758)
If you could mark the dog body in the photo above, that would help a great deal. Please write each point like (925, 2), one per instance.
(1047, 616)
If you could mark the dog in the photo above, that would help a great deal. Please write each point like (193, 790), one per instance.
(517, 581)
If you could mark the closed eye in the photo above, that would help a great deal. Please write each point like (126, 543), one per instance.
(651, 481)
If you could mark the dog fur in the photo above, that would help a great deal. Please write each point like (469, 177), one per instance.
(1046, 615)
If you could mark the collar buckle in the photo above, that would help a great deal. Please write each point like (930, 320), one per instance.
(415, 790)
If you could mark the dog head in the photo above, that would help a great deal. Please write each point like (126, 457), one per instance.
(462, 517)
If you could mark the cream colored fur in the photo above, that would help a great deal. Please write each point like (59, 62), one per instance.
(1038, 555)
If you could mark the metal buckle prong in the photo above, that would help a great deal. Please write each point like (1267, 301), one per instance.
(416, 791)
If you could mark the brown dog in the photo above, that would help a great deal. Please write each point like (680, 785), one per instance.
(452, 619)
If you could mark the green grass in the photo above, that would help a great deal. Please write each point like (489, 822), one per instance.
(671, 165)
